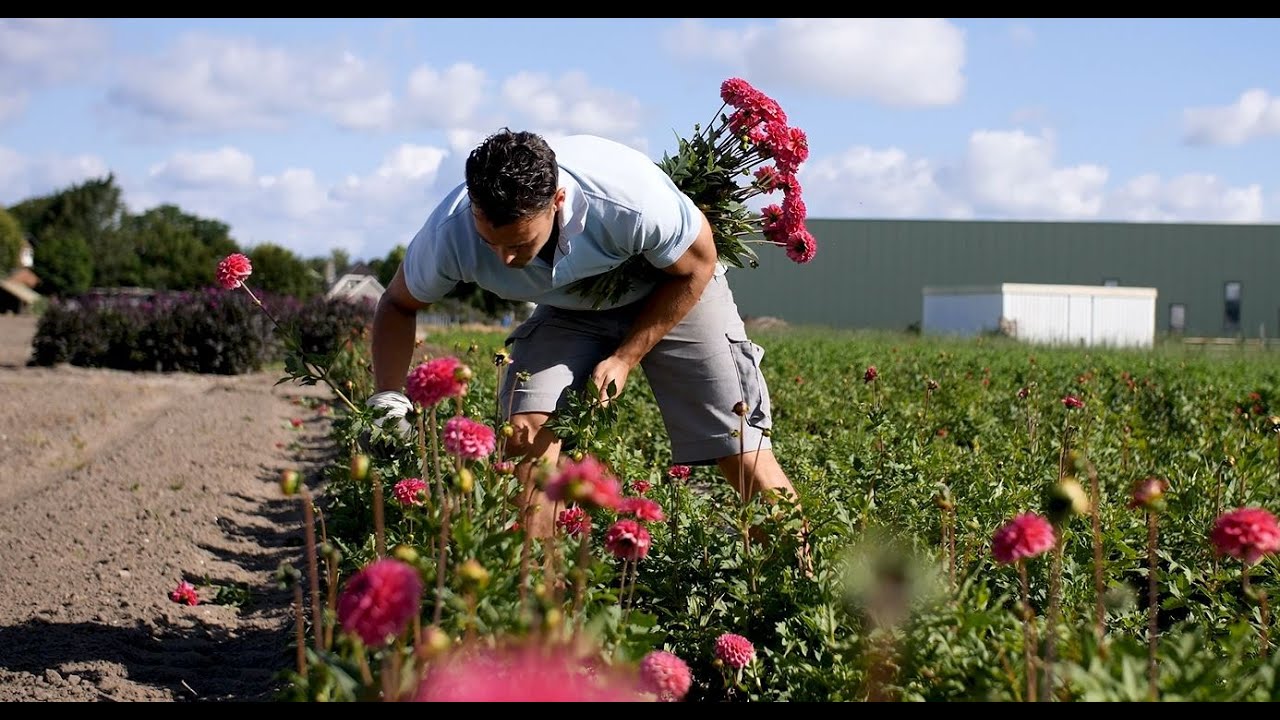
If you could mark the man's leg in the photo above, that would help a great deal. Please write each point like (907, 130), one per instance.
(755, 471)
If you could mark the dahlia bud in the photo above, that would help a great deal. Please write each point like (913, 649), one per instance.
(871, 374)
(405, 553)
(462, 374)
(435, 642)
(740, 408)
(465, 480)
(474, 576)
(577, 455)
(287, 575)
(290, 482)
(552, 619)
(501, 358)
(359, 467)
(506, 467)
(1148, 493)
(931, 385)
(1066, 499)
(1275, 422)
(508, 430)
(943, 499)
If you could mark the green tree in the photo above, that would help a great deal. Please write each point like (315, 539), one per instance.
(10, 241)
(385, 269)
(171, 255)
(63, 262)
(277, 269)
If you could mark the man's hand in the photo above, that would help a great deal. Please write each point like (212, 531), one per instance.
(612, 369)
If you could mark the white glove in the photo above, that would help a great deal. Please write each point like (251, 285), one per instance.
(397, 405)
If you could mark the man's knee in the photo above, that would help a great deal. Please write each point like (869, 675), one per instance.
(531, 438)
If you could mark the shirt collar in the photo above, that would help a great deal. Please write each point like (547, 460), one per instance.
(573, 215)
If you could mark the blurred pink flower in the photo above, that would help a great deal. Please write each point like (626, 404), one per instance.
(628, 540)
(1025, 536)
(641, 486)
(379, 601)
(735, 651)
(524, 674)
(468, 439)
(666, 675)
(1071, 402)
(586, 482)
(233, 270)
(642, 508)
(680, 472)
(407, 491)
(434, 380)
(184, 594)
(1247, 534)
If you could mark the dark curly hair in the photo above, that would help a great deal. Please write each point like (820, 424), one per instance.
(511, 176)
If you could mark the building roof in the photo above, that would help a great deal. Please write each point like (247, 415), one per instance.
(351, 285)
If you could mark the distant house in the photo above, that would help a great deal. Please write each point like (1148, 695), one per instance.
(357, 288)
(16, 294)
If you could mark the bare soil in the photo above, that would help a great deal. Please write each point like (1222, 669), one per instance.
(115, 486)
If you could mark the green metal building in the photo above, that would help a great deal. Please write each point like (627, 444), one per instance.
(1213, 280)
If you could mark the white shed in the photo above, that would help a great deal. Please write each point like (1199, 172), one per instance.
(357, 287)
(1051, 314)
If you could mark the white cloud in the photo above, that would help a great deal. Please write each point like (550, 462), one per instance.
(1188, 197)
(366, 214)
(445, 99)
(23, 177)
(1256, 114)
(1022, 35)
(570, 103)
(903, 62)
(1012, 173)
(205, 83)
(225, 167)
(865, 182)
(38, 52)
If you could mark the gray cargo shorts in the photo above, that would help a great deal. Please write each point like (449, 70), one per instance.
(703, 367)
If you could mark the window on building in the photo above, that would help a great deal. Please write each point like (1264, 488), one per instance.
(1110, 282)
(1231, 307)
(1177, 317)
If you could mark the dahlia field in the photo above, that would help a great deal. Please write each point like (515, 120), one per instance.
(978, 520)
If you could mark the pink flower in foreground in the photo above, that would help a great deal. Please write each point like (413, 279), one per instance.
(234, 270)
(185, 594)
(680, 472)
(643, 508)
(767, 177)
(586, 482)
(409, 491)
(435, 380)
(735, 651)
(527, 674)
(1247, 534)
(666, 675)
(468, 439)
(628, 540)
(379, 601)
(1071, 402)
(1025, 536)
(736, 92)
(574, 521)
(801, 247)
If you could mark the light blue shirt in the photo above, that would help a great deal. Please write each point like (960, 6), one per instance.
(618, 203)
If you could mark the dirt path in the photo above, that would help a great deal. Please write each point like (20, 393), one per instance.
(115, 486)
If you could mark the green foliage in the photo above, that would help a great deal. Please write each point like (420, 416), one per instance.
(278, 270)
(10, 241)
(879, 616)
(63, 262)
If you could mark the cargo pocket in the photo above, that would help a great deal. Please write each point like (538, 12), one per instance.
(524, 329)
(746, 358)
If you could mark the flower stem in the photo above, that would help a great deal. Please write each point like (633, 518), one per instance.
(1051, 621)
(317, 620)
(442, 558)
(300, 635)
(1153, 608)
(379, 530)
(1099, 588)
(1029, 633)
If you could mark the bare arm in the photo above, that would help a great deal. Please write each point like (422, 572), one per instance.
(394, 329)
(666, 306)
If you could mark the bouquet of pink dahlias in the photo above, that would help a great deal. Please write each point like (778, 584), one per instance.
(748, 150)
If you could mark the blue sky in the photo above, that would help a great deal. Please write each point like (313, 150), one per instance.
(317, 134)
